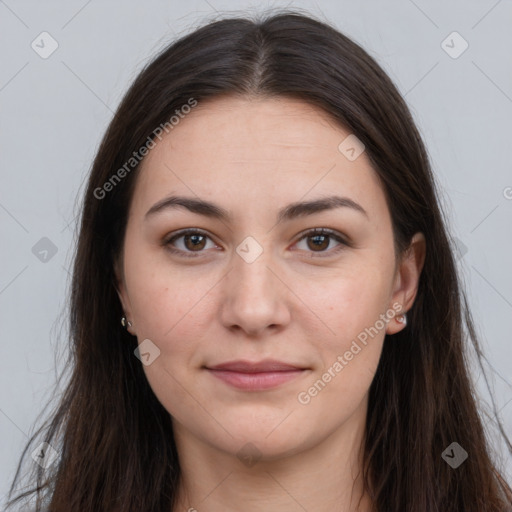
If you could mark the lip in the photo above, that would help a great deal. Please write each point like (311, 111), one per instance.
(267, 365)
(256, 376)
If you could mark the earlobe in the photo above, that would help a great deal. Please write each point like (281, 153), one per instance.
(407, 281)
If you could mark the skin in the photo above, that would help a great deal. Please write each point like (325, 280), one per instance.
(295, 303)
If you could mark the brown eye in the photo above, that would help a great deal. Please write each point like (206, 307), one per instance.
(320, 239)
(194, 242)
(188, 243)
(320, 242)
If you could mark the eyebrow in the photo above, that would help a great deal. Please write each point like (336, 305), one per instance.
(289, 212)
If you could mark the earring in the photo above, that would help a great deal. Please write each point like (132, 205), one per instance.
(124, 322)
(402, 319)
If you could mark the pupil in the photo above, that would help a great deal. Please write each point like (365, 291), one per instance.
(195, 240)
(320, 241)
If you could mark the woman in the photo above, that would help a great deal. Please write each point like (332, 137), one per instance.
(265, 309)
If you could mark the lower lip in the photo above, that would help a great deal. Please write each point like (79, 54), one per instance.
(256, 381)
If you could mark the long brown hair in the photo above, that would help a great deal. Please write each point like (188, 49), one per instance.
(115, 439)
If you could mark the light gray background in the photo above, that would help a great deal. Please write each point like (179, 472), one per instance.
(55, 110)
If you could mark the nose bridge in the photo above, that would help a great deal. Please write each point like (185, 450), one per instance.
(253, 295)
(251, 277)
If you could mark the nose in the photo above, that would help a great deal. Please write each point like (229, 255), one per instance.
(254, 297)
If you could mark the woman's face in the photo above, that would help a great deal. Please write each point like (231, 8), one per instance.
(255, 284)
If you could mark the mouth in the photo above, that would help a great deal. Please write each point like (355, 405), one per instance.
(256, 376)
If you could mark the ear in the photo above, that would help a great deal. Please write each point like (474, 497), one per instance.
(407, 278)
(120, 286)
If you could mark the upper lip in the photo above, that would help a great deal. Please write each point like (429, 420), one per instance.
(267, 365)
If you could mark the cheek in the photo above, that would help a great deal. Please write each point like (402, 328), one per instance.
(165, 298)
(350, 351)
(350, 306)
(170, 311)
(349, 303)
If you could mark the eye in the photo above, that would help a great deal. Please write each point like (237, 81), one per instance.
(319, 240)
(193, 241)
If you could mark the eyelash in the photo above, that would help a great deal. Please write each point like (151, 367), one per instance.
(305, 234)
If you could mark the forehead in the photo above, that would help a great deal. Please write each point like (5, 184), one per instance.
(271, 150)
